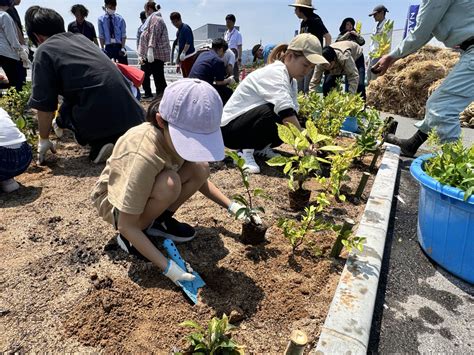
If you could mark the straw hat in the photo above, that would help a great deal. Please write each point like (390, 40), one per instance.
(303, 3)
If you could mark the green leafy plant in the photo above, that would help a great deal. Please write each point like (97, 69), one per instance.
(383, 40)
(249, 211)
(340, 164)
(452, 164)
(351, 241)
(309, 104)
(371, 128)
(297, 232)
(332, 111)
(215, 339)
(305, 160)
(16, 104)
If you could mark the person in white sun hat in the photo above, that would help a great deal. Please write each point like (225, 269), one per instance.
(266, 97)
(157, 166)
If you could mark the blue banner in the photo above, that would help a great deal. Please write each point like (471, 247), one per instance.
(411, 18)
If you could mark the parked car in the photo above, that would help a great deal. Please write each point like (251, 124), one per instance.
(132, 56)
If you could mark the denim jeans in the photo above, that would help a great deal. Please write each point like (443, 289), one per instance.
(14, 161)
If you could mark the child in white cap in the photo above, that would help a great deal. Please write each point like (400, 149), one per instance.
(157, 166)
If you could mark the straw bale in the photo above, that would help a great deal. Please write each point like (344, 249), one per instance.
(407, 85)
(467, 116)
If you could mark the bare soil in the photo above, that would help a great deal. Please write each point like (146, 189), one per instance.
(67, 287)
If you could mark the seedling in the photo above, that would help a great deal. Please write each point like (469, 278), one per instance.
(371, 128)
(383, 40)
(340, 164)
(253, 230)
(346, 239)
(298, 232)
(215, 339)
(452, 164)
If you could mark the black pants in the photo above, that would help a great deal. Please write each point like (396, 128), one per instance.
(254, 129)
(224, 92)
(10, 67)
(113, 51)
(157, 70)
(330, 80)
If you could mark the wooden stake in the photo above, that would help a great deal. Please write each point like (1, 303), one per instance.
(297, 343)
(337, 247)
(362, 184)
(374, 160)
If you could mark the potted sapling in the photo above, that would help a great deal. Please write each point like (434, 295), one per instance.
(301, 166)
(253, 228)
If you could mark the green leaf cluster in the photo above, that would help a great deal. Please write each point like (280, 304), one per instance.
(297, 232)
(213, 340)
(352, 241)
(383, 40)
(16, 105)
(249, 210)
(340, 164)
(305, 160)
(452, 164)
(371, 128)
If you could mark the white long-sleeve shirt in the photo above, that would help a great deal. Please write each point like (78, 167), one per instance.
(449, 21)
(270, 84)
(9, 133)
(9, 44)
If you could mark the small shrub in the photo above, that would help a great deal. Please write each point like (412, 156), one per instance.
(340, 164)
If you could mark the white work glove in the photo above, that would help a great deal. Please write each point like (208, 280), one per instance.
(43, 146)
(24, 52)
(175, 273)
(182, 56)
(235, 207)
(231, 80)
(57, 130)
(123, 52)
(149, 55)
(141, 60)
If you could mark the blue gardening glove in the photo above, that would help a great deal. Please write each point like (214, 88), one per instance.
(43, 146)
(175, 273)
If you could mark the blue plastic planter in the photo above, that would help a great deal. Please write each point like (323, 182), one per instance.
(350, 125)
(445, 223)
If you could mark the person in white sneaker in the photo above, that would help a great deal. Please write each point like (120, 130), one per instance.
(268, 96)
(157, 166)
(15, 153)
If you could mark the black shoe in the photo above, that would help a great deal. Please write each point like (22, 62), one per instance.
(99, 154)
(408, 146)
(126, 246)
(147, 96)
(170, 228)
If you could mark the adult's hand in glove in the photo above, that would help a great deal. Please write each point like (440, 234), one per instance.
(175, 273)
(43, 146)
(149, 55)
(230, 80)
(23, 55)
(182, 56)
(141, 60)
(123, 52)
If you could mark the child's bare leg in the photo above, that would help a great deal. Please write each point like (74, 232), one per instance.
(193, 176)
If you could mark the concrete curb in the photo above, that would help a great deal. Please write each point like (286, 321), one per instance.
(347, 326)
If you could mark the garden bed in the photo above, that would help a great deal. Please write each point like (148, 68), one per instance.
(66, 286)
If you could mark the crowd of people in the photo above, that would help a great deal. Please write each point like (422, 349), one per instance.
(155, 161)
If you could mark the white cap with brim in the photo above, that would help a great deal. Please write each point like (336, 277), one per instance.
(193, 110)
(310, 46)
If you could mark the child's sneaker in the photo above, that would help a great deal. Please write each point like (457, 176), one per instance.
(101, 154)
(266, 153)
(172, 229)
(250, 165)
(9, 185)
(127, 247)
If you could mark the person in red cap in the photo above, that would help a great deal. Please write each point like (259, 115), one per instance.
(379, 13)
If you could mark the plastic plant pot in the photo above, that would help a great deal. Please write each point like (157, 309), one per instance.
(445, 223)
(350, 125)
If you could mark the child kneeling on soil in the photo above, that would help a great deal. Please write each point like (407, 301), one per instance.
(15, 153)
(157, 166)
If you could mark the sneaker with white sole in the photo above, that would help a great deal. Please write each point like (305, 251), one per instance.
(250, 165)
(127, 247)
(171, 228)
(9, 185)
(266, 153)
(101, 154)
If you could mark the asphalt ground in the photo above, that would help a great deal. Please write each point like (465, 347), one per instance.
(420, 307)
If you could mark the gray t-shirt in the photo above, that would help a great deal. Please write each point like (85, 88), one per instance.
(97, 98)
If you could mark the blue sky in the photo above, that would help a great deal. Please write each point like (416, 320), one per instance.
(271, 21)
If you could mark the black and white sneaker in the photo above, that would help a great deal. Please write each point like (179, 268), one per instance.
(172, 229)
(126, 246)
(101, 154)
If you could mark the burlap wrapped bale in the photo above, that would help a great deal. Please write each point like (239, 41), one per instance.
(406, 86)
